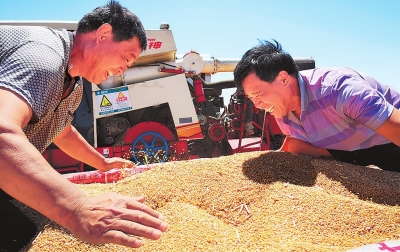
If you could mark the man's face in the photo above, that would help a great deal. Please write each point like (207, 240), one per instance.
(112, 58)
(272, 97)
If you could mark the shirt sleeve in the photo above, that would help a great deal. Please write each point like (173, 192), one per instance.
(32, 70)
(354, 98)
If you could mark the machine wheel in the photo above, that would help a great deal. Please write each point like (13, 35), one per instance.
(149, 147)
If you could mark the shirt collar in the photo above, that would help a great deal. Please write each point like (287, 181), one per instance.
(303, 92)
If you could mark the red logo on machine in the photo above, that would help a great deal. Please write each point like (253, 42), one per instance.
(121, 97)
(154, 44)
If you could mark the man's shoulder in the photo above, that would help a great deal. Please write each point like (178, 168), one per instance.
(334, 71)
(328, 76)
(31, 30)
(321, 71)
(11, 36)
(34, 46)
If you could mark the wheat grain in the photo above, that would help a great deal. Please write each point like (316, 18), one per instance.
(259, 201)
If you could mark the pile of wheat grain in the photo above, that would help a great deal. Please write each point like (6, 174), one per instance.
(259, 201)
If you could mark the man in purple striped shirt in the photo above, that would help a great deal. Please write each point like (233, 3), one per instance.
(324, 112)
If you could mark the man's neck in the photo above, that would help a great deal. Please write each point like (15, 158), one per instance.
(78, 57)
(294, 83)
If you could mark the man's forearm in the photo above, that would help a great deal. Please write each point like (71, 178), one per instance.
(390, 129)
(27, 177)
(72, 143)
(297, 146)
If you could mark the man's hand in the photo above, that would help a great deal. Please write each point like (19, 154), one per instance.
(111, 163)
(114, 218)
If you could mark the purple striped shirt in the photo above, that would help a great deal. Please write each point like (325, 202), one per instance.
(341, 109)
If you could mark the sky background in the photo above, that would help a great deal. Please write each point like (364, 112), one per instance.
(361, 34)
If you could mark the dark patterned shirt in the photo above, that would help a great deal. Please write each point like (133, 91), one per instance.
(33, 62)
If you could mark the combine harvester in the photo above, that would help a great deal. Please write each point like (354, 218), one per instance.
(166, 108)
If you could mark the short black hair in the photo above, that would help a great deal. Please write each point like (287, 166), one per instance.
(266, 59)
(125, 23)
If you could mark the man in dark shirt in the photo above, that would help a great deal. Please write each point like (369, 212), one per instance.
(36, 109)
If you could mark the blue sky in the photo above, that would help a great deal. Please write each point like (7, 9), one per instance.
(362, 34)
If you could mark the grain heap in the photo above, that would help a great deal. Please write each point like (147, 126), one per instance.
(259, 201)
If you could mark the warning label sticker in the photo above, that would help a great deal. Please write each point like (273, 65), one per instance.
(113, 100)
(105, 102)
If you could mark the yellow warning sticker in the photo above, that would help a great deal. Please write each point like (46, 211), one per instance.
(113, 100)
(105, 102)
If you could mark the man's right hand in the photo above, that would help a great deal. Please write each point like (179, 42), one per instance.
(114, 218)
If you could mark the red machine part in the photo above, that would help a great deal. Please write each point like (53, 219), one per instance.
(167, 70)
(216, 132)
(198, 90)
(181, 147)
(178, 150)
(140, 128)
(62, 162)
(236, 124)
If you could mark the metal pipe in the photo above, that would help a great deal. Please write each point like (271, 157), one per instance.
(210, 65)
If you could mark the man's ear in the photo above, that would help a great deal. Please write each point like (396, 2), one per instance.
(103, 32)
(283, 77)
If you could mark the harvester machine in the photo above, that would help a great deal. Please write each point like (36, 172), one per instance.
(166, 108)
